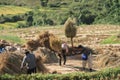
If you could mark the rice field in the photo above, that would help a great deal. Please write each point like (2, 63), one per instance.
(13, 10)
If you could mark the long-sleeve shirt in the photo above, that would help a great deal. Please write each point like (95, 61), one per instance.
(87, 51)
(29, 60)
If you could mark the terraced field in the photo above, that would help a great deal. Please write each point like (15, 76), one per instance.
(13, 10)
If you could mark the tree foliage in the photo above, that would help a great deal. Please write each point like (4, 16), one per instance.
(57, 12)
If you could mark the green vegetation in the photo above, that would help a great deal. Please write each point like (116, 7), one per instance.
(51, 12)
(111, 40)
(26, 13)
(8, 25)
(7, 10)
(20, 2)
(107, 74)
(12, 38)
(13, 25)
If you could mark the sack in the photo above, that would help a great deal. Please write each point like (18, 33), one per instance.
(84, 56)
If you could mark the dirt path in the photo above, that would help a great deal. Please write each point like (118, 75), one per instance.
(73, 64)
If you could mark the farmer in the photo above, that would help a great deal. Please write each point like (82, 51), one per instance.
(29, 61)
(86, 57)
(64, 47)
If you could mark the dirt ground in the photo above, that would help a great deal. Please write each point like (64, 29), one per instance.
(90, 36)
(73, 64)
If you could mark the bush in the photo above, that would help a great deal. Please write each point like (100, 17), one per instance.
(106, 74)
(11, 18)
(57, 4)
(29, 21)
(50, 22)
(21, 25)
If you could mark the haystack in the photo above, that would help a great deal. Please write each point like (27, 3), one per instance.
(47, 55)
(43, 40)
(108, 59)
(55, 43)
(4, 43)
(42, 45)
(10, 63)
(40, 66)
(32, 45)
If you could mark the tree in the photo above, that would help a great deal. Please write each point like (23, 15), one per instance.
(43, 3)
(70, 30)
(29, 20)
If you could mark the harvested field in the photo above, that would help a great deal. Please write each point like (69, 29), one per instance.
(106, 55)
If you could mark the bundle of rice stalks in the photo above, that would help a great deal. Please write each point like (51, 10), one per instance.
(44, 39)
(47, 55)
(32, 45)
(10, 63)
(43, 35)
(4, 43)
(40, 66)
(107, 60)
(45, 42)
(70, 29)
(55, 43)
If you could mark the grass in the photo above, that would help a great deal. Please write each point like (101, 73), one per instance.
(20, 10)
(106, 74)
(111, 40)
(53, 9)
(8, 25)
(12, 38)
(11, 25)
(13, 10)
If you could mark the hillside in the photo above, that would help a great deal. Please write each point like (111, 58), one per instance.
(13, 10)
(84, 12)
(20, 2)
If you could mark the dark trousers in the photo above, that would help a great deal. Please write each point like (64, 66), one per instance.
(62, 55)
(33, 70)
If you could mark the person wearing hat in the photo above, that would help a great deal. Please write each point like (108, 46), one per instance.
(29, 61)
(86, 57)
